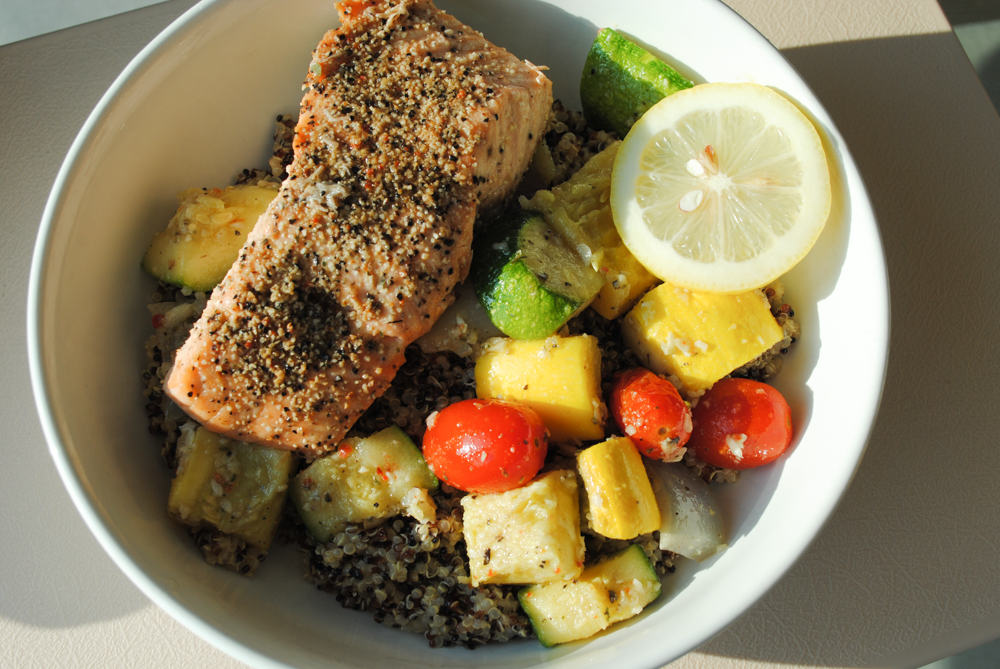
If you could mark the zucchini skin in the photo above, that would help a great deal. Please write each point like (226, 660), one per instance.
(517, 298)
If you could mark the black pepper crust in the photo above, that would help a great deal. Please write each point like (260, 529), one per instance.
(396, 149)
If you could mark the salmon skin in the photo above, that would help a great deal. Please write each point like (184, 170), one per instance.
(411, 123)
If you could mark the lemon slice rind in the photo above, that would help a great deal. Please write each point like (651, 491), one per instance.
(688, 192)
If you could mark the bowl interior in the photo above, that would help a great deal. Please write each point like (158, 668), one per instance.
(193, 110)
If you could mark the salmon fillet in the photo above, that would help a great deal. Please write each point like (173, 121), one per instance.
(411, 123)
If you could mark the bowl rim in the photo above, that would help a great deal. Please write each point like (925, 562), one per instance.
(53, 431)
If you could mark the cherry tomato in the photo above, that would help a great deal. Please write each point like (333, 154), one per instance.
(485, 445)
(651, 412)
(740, 423)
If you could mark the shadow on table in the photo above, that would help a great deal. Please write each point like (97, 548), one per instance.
(925, 138)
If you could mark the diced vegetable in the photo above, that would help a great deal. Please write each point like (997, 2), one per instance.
(620, 499)
(740, 424)
(527, 279)
(526, 535)
(364, 481)
(651, 412)
(485, 446)
(235, 487)
(630, 580)
(621, 80)
(204, 237)
(699, 337)
(559, 377)
(562, 612)
(580, 211)
(691, 519)
(613, 590)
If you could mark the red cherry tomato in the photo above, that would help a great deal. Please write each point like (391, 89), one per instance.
(651, 412)
(485, 445)
(740, 424)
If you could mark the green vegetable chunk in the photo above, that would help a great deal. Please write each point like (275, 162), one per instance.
(621, 80)
(235, 487)
(526, 277)
(364, 481)
(205, 236)
(607, 592)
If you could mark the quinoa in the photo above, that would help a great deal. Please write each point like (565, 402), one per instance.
(571, 142)
(414, 576)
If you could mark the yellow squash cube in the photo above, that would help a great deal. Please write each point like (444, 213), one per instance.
(619, 495)
(525, 535)
(559, 377)
(580, 212)
(699, 337)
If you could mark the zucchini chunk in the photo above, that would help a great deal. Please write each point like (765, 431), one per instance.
(526, 277)
(364, 481)
(580, 211)
(610, 591)
(235, 487)
(205, 236)
(621, 80)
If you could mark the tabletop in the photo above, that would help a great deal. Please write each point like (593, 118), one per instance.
(905, 571)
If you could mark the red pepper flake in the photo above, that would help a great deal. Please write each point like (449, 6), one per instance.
(159, 320)
(344, 451)
(382, 474)
(460, 95)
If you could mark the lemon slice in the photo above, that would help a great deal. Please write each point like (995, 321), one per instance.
(721, 187)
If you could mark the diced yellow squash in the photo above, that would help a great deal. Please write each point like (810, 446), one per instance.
(579, 210)
(559, 377)
(525, 535)
(619, 495)
(699, 337)
(235, 487)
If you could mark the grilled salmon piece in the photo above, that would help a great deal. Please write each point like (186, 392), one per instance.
(411, 123)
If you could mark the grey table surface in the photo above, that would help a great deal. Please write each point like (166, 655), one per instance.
(905, 571)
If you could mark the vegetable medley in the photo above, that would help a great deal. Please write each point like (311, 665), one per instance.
(600, 403)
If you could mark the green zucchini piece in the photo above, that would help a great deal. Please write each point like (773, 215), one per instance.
(364, 481)
(235, 487)
(607, 592)
(630, 580)
(204, 237)
(526, 277)
(621, 80)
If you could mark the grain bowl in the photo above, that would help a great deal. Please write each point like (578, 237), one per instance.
(169, 122)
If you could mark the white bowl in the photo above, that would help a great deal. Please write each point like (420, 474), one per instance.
(194, 108)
